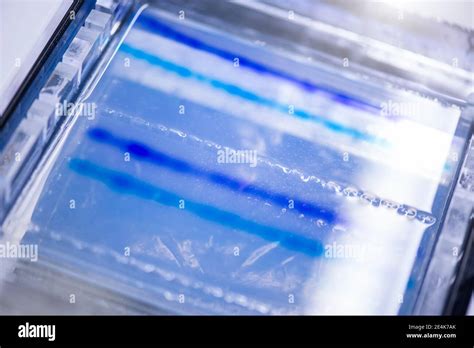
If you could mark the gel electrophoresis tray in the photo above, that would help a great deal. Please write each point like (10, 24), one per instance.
(206, 174)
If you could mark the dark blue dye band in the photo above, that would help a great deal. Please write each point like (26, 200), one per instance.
(248, 95)
(126, 184)
(150, 23)
(143, 152)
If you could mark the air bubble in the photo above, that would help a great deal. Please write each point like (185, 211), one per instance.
(321, 223)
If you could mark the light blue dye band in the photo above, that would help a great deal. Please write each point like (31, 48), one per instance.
(239, 92)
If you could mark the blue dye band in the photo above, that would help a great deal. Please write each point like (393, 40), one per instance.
(126, 184)
(150, 23)
(143, 152)
(237, 91)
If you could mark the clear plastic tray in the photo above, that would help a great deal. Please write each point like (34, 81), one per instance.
(209, 174)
